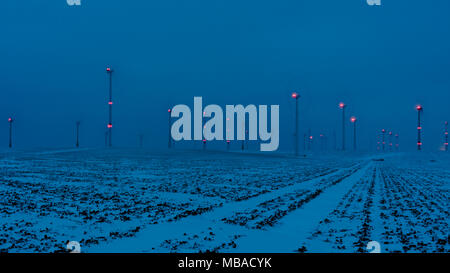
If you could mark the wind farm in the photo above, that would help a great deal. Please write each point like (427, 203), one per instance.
(224, 127)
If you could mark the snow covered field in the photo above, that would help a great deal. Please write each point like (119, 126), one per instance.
(185, 201)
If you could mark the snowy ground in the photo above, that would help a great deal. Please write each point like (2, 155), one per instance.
(139, 201)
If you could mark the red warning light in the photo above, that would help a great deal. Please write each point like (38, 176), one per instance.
(341, 105)
(353, 119)
(295, 95)
(419, 107)
(110, 125)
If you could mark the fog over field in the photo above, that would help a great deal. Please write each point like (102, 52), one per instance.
(380, 61)
(356, 162)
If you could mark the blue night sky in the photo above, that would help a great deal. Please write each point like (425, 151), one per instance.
(381, 61)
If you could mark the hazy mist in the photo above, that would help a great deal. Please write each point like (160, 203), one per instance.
(380, 61)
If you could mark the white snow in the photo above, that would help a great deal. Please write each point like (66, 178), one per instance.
(124, 200)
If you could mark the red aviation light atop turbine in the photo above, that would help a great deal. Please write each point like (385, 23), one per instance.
(10, 120)
(109, 71)
(390, 141)
(353, 120)
(295, 96)
(383, 141)
(342, 107)
(419, 109)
